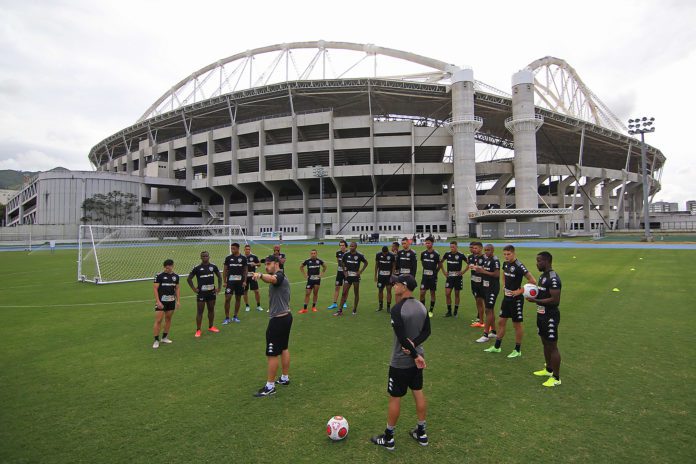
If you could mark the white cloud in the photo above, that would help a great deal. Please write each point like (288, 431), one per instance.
(34, 160)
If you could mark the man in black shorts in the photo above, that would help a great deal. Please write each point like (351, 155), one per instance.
(385, 264)
(279, 324)
(351, 272)
(235, 276)
(475, 260)
(205, 290)
(166, 288)
(513, 301)
(315, 271)
(411, 326)
(343, 249)
(548, 318)
(431, 268)
(490, 279)
(406, 259)
(451, 265)
(252, 263)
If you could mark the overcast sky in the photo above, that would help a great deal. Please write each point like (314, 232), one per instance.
(75, 72)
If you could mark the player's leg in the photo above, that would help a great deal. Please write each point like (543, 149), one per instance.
(159, 316)
(389, 297)
(257, 294)
(419, 434)
(228, 297)
(200, 306)
(380, 295)
(308, 290)
(211, 315)
(315, 297)
(344, 297)
(285, 363)
(519, 333)
(502, 321)
(167, 325)
(237, 301)
(356, 297)
(480, 309)
(448, 299)
(456, 300)
(422, 294)
(337, 286)
(246, 296)
(432, 299)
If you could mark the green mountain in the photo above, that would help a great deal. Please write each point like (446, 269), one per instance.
(13, 180)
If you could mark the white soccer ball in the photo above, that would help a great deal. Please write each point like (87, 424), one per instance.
(337, 428)
(531, 291)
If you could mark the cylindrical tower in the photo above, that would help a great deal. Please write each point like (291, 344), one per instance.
(523, 124)
(463, 126)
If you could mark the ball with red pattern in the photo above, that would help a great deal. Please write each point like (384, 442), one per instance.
(337, 428)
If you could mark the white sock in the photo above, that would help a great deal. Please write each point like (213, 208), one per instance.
(284, 377)
(269, 385)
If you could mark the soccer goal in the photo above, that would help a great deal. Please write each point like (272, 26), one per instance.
(110, 254)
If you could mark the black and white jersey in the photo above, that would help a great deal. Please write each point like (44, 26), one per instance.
(475, 260)
(167, 286)
(313, 267)
(548, 281)
(205, 276)
(384, 263)
(351, 262)
(236, 265)
(430, 261)
(281, 257)
(406, 262)
(252, 260)
(491, 264)
(514, 273)
(339, 258)
(453, 263)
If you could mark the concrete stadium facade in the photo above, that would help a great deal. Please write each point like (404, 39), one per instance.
(398, 157)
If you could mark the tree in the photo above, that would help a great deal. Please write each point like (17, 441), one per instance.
(114, 208)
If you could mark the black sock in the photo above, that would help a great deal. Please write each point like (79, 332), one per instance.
(305, 306)
(432, 305)
(557, 377)
(498, 342)
(388, 303)
(517, 347)
(388, 434)
(157, 339)
(485, 334)
(422, 301)
(449, 308)
(164, 335)
(549, 370)
(456, 308)
(494, 332)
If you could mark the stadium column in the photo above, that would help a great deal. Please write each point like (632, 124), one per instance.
(129, 163)
(302, 185)
(171, 158)
(523, 124)
(334, 180)
(249, 194)
(588, 189)
(608, 186)
(262, 174)
(372, 161)
(562, 190)
(413, 179)
(463, 127)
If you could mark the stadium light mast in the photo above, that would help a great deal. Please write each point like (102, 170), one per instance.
(320, 172)
(641, 126)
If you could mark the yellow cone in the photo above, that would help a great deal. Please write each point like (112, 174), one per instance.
(615, 290)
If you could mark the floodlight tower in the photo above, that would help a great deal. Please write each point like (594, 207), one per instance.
(641, 126)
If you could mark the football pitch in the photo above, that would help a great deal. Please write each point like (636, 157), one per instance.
(80, 382)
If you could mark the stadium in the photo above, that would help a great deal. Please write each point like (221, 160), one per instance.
(270, 138)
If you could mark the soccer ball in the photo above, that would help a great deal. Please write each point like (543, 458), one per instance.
(337, 428)
(531, 291)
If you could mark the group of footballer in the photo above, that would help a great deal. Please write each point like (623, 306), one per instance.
(482, 264)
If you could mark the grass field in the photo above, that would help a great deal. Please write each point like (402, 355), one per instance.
(79, 381)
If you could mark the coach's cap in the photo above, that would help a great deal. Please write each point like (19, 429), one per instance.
(405, 279)
(272, 259)
(385, 249)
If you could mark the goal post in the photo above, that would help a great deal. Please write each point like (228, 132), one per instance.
(111, 254)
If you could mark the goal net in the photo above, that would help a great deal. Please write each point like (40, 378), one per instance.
(110, 254)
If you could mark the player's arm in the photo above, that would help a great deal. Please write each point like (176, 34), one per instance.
(225, 274)
(219, 276)
(364, 260)
(178, 288)
(245, 272)
(282, 260)
(424, 333)
(376, 267)
(414, 263)
(443, 266)
(400, 331)
(190, 282)
(553, 300)
(323, 269)
(345, 269)
(302, 266)
(530, 278)
(272, 279)
(158, 303)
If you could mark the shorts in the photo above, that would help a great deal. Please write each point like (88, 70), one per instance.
(455, 282)
(477, 289)
(429, 283)
(339, 279)
(278, 335)
(168, 306)
(206, 296)
(383, 281)
(252, 284)
(547, 325)
(512, 308)
(490, 294)
(352, 280)
(311, 283)
(400, 380)
(234, 287)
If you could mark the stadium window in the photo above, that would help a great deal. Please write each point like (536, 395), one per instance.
(427, 227)
(399, 227)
